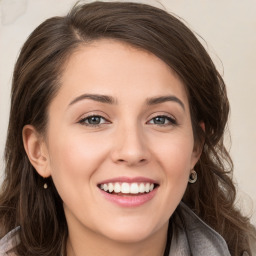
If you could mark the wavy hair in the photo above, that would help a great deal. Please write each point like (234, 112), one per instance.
(36, 81)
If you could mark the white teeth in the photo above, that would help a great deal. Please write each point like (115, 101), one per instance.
(110, 187)
(141, 188)
(127, 188)
(147, 187)
(134, 188)
(117, 188)
(105, 187)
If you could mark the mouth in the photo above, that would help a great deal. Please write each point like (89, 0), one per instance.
(128, 189)
(129, 192)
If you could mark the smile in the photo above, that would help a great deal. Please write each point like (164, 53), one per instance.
(128, 192)
(127, 188)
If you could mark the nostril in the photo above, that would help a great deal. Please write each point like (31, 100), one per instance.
(132, 161)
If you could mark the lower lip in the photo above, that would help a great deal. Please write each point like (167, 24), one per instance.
(129, 201)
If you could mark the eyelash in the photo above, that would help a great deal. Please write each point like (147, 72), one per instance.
(170, 121)
(83, 120)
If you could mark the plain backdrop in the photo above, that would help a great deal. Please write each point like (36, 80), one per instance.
(228, 28)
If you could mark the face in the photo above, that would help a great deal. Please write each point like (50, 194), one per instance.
(119, 141)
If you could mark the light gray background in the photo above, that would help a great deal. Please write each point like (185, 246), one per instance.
(228, 27)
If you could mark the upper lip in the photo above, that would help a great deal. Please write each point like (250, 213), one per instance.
(129, 180)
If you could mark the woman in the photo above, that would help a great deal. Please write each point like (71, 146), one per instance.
(115, 141)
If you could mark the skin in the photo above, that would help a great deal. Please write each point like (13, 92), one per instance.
(128, 142)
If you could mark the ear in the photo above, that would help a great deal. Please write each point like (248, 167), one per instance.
(198, 147)
(36, 150)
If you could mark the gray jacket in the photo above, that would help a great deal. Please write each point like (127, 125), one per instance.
(190, 237)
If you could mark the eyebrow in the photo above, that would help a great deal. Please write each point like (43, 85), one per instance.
(111, 100)
(162, 99)
(95, 97)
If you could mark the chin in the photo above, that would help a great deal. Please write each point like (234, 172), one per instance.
(131, 233)
(128, 237)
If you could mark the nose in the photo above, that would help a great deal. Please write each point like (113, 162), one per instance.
(130, 146)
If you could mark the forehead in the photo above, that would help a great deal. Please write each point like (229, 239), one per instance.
(115, 68)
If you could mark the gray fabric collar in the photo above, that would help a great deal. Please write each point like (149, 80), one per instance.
(191, 236)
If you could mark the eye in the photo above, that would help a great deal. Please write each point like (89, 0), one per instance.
(93, 120)
(163, 120)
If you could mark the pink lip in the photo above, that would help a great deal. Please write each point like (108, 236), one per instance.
(129, 200)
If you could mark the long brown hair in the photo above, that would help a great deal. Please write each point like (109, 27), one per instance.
(36, 78)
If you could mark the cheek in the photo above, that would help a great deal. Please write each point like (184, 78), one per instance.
(174, 156)
(74, 158)
(175, 153)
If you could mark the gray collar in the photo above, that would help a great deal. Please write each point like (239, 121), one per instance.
(191, 236)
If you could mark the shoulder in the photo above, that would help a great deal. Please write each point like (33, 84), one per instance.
(191, 233)
(9, 242)
(193, 236)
